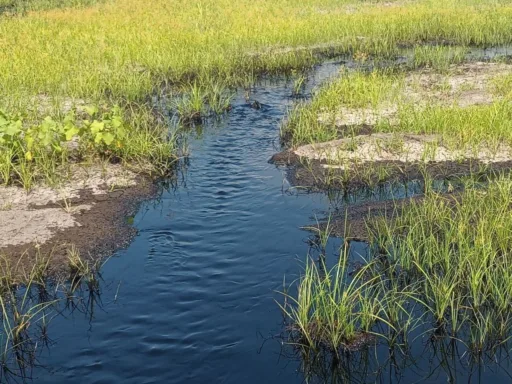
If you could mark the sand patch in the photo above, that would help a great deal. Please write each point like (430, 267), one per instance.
(396, 148)
(35, 216)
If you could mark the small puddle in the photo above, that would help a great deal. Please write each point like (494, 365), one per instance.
(192, 298)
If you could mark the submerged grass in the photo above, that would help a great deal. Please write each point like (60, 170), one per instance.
(30, 297)
(442, 263)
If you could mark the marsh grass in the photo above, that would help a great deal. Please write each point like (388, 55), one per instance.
(440, 266)
(331, 310)
(32, 152)
(30, 297)
(21, 7)
(198, 102)
(437, 56)
(341, 108)
(109, 50)
(107, 53)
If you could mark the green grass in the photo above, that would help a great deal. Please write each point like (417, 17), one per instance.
(315, 121)
(442, 263)
(121, 52)
(32, 152)
(439, 57)
(124, 49)
(458, 126)
(14, 7)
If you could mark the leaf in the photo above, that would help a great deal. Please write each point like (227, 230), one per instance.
(117, 122)
(70, 117)
(98, 138)
(91, 110)
(97, 126)
(71, 131)
(13, 128)
(28, 156)
(108, 138)
(29, 140)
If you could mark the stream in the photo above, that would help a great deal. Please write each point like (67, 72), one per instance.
(193, 298)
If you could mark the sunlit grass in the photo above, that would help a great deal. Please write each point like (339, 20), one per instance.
(127, 48)
(441, 263)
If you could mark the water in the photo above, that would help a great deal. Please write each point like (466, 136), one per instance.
(192, 298)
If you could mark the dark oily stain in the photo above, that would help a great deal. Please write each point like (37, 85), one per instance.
(100, 230)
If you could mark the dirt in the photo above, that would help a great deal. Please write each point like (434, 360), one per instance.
(352, 223)
(316, 175)
(90, 212)
(396, 147)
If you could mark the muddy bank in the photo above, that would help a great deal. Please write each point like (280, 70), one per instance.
(319, 175)
(354, 224)
(90, 212)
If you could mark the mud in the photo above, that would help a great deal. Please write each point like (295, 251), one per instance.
(313, 175)
(93, 216)
(354, 223)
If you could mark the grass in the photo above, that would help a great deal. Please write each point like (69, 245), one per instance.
(103, 54)
(110, 50)
(32, 151)
(331, 310)
(368, 94)
(15, 7)
(441, 263)
(30, 298)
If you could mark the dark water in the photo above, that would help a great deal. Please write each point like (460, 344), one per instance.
(192, 299)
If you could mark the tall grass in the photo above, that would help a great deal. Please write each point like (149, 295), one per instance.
(123, 49)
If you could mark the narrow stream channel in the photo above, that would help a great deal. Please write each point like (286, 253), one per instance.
(192, 299)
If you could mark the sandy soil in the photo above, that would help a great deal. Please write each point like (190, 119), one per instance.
(394, 148)
(89, 211)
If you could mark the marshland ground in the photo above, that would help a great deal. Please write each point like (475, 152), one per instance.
(97, 99)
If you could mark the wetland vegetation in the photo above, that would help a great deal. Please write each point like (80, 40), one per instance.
(122, 83)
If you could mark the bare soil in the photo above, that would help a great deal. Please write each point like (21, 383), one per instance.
(397, 148)
(90, 212)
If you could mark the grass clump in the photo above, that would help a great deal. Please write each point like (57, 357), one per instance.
(458, 249)
(437, 56)
(332, 310)
(316, 121)
(440, 266)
